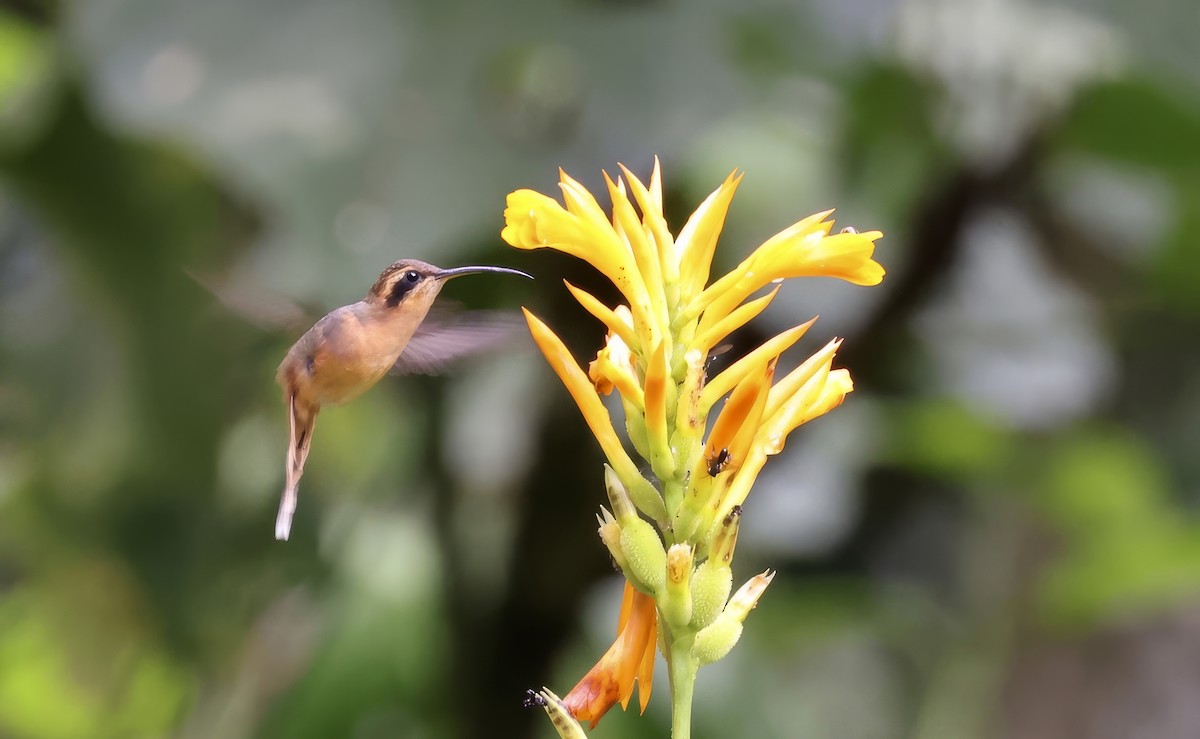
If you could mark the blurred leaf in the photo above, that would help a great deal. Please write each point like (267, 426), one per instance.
(26, 78)
(763, 43)
(1137, 121)
(946, 439)
(1177, 270)
(1127, 550)
(1101, 481)
(44, 696)
(888, 145)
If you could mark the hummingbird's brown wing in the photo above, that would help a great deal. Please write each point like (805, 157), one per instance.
(445, 337)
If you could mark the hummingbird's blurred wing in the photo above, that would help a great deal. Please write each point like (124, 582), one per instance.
(444, 338)
(255, 304)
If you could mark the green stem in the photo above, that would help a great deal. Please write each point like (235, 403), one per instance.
(682, 669)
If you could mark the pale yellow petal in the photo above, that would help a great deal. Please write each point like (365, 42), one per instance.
(652, 216)
(584, 394)
(732, 322)
(603, 313)
(792, 381)
(697, 240)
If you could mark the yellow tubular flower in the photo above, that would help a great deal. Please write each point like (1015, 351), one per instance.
(621, 325)
(732, 322)
(645, 254)
(594, 412)
(724, 382)
(534, 221)
(614, 367)
(656, 413)
(651, 203)
(698, 239)
(791, 383)
(802, 250)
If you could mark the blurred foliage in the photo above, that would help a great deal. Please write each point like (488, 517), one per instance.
(998, 537)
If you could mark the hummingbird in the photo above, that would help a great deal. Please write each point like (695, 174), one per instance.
(390, 331)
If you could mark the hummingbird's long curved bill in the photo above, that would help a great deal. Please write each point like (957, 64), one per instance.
(446, 274)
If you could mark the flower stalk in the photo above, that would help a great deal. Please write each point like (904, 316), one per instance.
(673, 534)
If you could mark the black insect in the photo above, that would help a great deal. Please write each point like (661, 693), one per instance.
(718, 463)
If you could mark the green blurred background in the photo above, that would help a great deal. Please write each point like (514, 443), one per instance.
(996, 536)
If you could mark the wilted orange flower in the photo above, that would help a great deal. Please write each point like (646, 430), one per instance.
(630, 658)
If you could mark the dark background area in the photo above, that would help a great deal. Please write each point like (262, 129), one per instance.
(995, 536)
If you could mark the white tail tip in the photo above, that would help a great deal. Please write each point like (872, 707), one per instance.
(283, 521)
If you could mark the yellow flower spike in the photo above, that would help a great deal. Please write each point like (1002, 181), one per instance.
(651, 205)
(732, 322)
(724, 382)
(595, 414)
(698, 238)
(657, 378)
(645, 254)
(614, 320)
(794, 380)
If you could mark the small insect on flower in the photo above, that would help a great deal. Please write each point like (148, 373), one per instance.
(718, 462)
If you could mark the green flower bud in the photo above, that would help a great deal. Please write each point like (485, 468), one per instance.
(711, 584)
(632, 495)
(645, 559)
(677, 608)
(635, 425)
(715, 641)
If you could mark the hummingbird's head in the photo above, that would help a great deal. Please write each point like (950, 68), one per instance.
(411, 282)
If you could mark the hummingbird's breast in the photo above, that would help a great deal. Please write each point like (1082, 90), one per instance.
(344, 354)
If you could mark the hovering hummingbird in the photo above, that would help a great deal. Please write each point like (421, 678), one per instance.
(354, 346)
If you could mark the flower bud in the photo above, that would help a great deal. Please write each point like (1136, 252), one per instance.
(645, 559)
(630, 495)
(635, 426)
(610, 534)
(618, 497)
(566, 726)
(677, 608)
(725, 537)
(711, 584)
(715, 641)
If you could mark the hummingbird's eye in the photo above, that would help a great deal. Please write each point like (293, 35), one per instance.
(403, 286)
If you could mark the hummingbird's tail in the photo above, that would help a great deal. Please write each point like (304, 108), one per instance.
(300, 424)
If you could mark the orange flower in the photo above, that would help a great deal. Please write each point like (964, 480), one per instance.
(630, 658)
